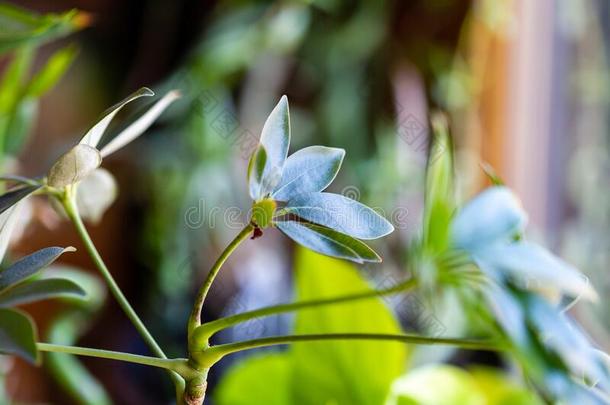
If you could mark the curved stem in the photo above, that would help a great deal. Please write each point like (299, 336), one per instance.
(195, 318)
(223, 323)
(67, 200)
(168, 364)
(215, 353)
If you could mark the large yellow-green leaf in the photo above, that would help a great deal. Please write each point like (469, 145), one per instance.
(258, 380)
(340, 372)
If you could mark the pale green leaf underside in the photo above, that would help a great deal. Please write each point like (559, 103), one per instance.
(94, 135)
(138, 127)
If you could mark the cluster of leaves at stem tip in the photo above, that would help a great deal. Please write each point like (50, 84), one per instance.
(288, 193)
(72, 177)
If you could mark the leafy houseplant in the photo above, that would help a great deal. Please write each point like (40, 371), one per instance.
(479, 245)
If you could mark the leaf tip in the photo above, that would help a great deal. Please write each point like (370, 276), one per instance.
(69, 249)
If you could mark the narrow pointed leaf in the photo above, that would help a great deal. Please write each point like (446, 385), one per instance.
(339, 213)
(275, 138)
(310, 169)
(37, 290)
(18, 335)
(94, 135)
(12, 197)
(74, 166)
(493, 216)
(536, 266)
(29, 265)
(53, 70)
(140, 125)
(439, 197)
(326, 241)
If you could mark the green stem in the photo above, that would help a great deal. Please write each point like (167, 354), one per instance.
(195, 318)
(210, 328)
(68, 202)
(177, 365)
(215, 353)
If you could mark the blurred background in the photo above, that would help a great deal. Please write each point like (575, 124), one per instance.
(526, 85)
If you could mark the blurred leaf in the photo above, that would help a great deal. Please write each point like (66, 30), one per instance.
(14, 78)
(508, 312)
(50, 74)
(275, 138)
(19, 125)
(18, 335)
(37, 290)
(12, 197)
(95, 194)
(326, 241)
(29, 265)
(495, 215)
(439, 195)
(436, 385)
(537, 268)
(339, 213)
(66, 329)
(20, 27)
(93, 137)
(559, 333)
(138, 127)
(341, 372)
(74, 166)
(242, 383)
(310, 169)
(500, 390)
(256, 167)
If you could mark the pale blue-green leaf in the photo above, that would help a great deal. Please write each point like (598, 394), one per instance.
(492, 216)
(243, 385)
(94, 135)
(37, 290)
(256, 167)
(275, 138)
(436, 385)
(18, 335)
(564, 337)
(508, 313)
(537, 268)
(326, 241)
(340, 372)
(29, 265)
(339, 213)
(310, 169)
(12, 197)
(137, 128)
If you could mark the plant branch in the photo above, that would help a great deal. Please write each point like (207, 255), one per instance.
(177, 365)
(195, 318)
(215, 353)
(215, 326)
(68, 202)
